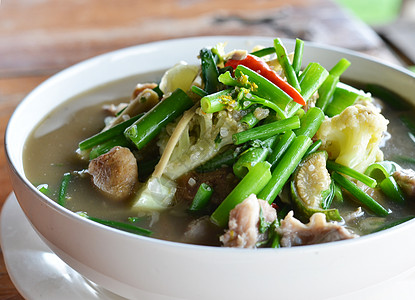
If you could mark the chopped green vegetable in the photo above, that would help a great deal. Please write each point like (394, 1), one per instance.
(298, 56)
(253, 182)
(369, 181)
(360, 196)
(119, 225)
(106, 146)
(109, 134)
(286, 166)
(217, 101)
(266, 130)
(310, 122)
(310, 80)
(226, 158)
(264, 51)
(314, 147)
(63, 188)
(210, 71)
(344, 96)
(285, 63)
(252, 156)
(44, 189)
(265, 88)
(280, 147)
(142, 131)
(391, 189)
(202, 197)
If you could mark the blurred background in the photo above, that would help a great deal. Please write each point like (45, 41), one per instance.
(41, 37)
(393, 20)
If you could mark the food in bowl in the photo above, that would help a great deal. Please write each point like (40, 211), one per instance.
(244, 150)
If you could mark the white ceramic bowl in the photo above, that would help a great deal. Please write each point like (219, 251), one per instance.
(145, 268)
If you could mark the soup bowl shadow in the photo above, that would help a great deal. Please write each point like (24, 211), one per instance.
(146, 268)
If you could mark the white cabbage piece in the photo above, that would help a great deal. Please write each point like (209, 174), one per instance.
(180, 76)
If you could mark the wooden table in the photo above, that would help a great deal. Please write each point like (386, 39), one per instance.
(39, 38)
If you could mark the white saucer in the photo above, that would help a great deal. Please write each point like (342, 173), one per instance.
(38, 273)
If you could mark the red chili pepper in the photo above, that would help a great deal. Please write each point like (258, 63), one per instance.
(261, 67)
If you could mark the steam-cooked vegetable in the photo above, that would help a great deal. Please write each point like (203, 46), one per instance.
(353, 137)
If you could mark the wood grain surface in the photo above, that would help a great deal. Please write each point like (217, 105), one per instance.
(41, 37)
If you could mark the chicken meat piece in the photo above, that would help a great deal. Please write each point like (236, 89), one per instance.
(244, 222)
(405, 178)
(115, 173)
(317, 231)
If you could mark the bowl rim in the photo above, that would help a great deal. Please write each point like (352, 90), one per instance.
(87, 62)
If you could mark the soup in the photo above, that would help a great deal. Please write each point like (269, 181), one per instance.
(51, 152)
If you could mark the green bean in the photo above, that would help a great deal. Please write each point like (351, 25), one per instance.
(63, 189)
(264, 52)
(104, 136)
(202, 197)
(150, 125)
(252, 156)
(210, 71)
(285, 63)
(266, 130)
(360, 195)
(106, 146)
(253, 182)
(391, 189)
(363, 178)
(310, 122)
(298, 56)
(286, 166)
(314, 147)
(286, 139)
